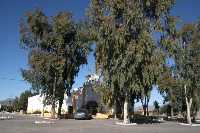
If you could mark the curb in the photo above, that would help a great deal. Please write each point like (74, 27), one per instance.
(126, 124)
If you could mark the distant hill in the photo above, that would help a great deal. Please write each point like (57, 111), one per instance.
(7, 101)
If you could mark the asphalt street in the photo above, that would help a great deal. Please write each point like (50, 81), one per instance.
(26, 124)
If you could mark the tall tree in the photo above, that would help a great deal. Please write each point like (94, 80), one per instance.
(57, 48)
(126, 50)
(188, 62)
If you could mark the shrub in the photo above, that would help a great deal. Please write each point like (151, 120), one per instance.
(37, 112)
(46, 111)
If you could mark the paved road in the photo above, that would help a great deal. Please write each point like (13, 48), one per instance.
(26, 125)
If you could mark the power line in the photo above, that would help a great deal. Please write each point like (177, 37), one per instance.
(11, 79)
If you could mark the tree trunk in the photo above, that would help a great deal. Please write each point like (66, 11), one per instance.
(172, 111)
(60, 107)
(53, 105)
(171, 103)
(188, 104)
(114, 113)
(117, 109)
(126, 115)
(42, 110)
(197, 115)
(74, 104)
(120, 108)
(144, 109)
(144, 105)
(147, 107)
(53, 111)
(133, 107)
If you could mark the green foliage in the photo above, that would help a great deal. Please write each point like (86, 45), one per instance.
(187, 59)
(37, 112)
(165, 109)
(23, 99)
(169, 88)
(56, 49)
(46, 111)
(126, 51)
(156, 105)
(185, 72)
(105, 94)
(133, 41)
(18, 103)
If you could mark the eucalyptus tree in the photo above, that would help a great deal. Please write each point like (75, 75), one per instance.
(167, 84)
(187, 61)
(34, 27)
(72, 41)
(57, 48)
(126, 49)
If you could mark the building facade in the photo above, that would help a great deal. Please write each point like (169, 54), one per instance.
(35, 104)
(80, 98)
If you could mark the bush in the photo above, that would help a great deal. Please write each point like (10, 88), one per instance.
(46, 111)
(37, 112)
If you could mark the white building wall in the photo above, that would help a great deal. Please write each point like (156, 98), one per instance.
(35, 103)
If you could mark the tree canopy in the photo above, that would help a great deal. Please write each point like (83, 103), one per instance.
(57, 48)
(126, 49)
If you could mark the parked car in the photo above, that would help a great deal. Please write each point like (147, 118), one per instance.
(82, 114)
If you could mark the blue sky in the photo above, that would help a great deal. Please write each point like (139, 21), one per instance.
(13, 58)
